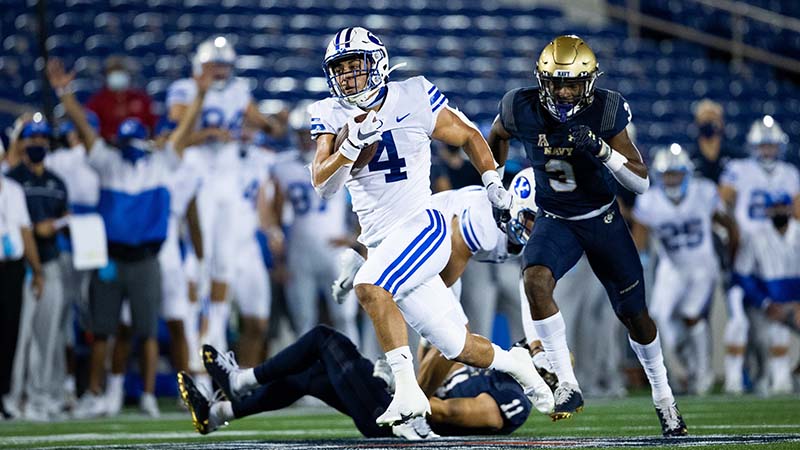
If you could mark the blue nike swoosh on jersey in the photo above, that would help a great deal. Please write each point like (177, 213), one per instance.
(401, 118)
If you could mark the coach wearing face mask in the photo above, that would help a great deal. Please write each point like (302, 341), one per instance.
(712, 152)
(119, 100)
(46, 199)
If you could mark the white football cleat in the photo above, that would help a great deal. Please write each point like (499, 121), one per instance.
(416, 429)
(349, 263)
(408, 402)
(535, 388)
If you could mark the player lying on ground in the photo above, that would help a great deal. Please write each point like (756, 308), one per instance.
(385, 162)
(325, 364)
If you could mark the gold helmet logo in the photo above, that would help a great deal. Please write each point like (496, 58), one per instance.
(567, 70)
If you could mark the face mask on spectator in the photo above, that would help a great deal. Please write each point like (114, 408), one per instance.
(118, 80)
(36, 153)
(709, 129)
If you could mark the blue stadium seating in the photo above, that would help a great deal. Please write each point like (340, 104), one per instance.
(473, 50)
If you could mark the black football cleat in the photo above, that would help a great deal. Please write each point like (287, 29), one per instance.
(569, 401)
(672, 424)
(199, 405)
(222, 367)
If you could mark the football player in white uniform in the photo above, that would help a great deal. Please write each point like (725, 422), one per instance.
(227, 106)
(679, 214)
(311, 250)
(250, 284)
(768, 270)
(745, 186)
(407, 239)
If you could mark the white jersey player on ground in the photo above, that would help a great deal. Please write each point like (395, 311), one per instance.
(407, 239)
(227, 105)
(315, 232)
(745, 186)
(250, 284)
(679, 214)
(768, 270)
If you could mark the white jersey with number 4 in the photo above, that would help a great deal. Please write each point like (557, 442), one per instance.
(683, 230)
(395, 185)
(753, 185)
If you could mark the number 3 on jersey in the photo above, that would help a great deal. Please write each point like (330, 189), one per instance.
(564, 175)
(393, 163)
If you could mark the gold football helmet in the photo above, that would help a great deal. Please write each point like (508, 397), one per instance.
(567, 70)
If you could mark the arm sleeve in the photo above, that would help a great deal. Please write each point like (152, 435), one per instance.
(181, 93)
(320, 120)
(642, 211)
(437, 101)
(616, 115)
(101, 157)
(729, 175)
(506, 111)
(24, 216)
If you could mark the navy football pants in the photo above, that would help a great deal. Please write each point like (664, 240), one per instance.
(558, 245)
(325, 364)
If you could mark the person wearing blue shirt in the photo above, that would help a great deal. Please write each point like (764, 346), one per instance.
(135, 205)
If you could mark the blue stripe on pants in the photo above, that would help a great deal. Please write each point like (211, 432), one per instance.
(431, 244)
(439, 221)
(408, 249)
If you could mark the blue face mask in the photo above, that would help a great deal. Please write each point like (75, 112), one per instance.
(132, 152)
(36, 153)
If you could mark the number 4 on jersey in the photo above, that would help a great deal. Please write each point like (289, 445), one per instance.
(393, 163)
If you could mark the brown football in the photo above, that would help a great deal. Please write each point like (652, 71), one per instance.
(366, 153)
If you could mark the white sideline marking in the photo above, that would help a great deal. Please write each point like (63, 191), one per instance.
(72, 437)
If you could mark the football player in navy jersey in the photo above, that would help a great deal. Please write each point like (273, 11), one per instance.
(325, 364)
(574, 134)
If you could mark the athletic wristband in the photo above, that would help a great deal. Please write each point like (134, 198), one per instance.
(349, 150)
(491, 176)
(615, 161)
(501, 170)
(605, 152)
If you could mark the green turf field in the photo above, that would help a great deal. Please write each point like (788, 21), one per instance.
(715, 422)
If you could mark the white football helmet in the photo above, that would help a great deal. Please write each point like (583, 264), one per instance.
(767, 132)
(676, 160)
(359, 42)
(217, 49)
(523, 207)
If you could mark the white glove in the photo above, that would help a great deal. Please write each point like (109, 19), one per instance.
(498, 196)
(349, 263)
(361, 135)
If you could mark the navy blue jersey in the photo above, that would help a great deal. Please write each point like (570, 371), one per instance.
(46, 197)
(469, 382)
(569, 183)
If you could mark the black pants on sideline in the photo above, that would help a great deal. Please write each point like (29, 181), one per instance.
(12, 278)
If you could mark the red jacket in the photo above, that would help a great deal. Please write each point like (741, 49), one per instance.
(114, 107)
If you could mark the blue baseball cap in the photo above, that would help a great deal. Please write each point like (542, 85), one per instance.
(131, 128)
(35, 128)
